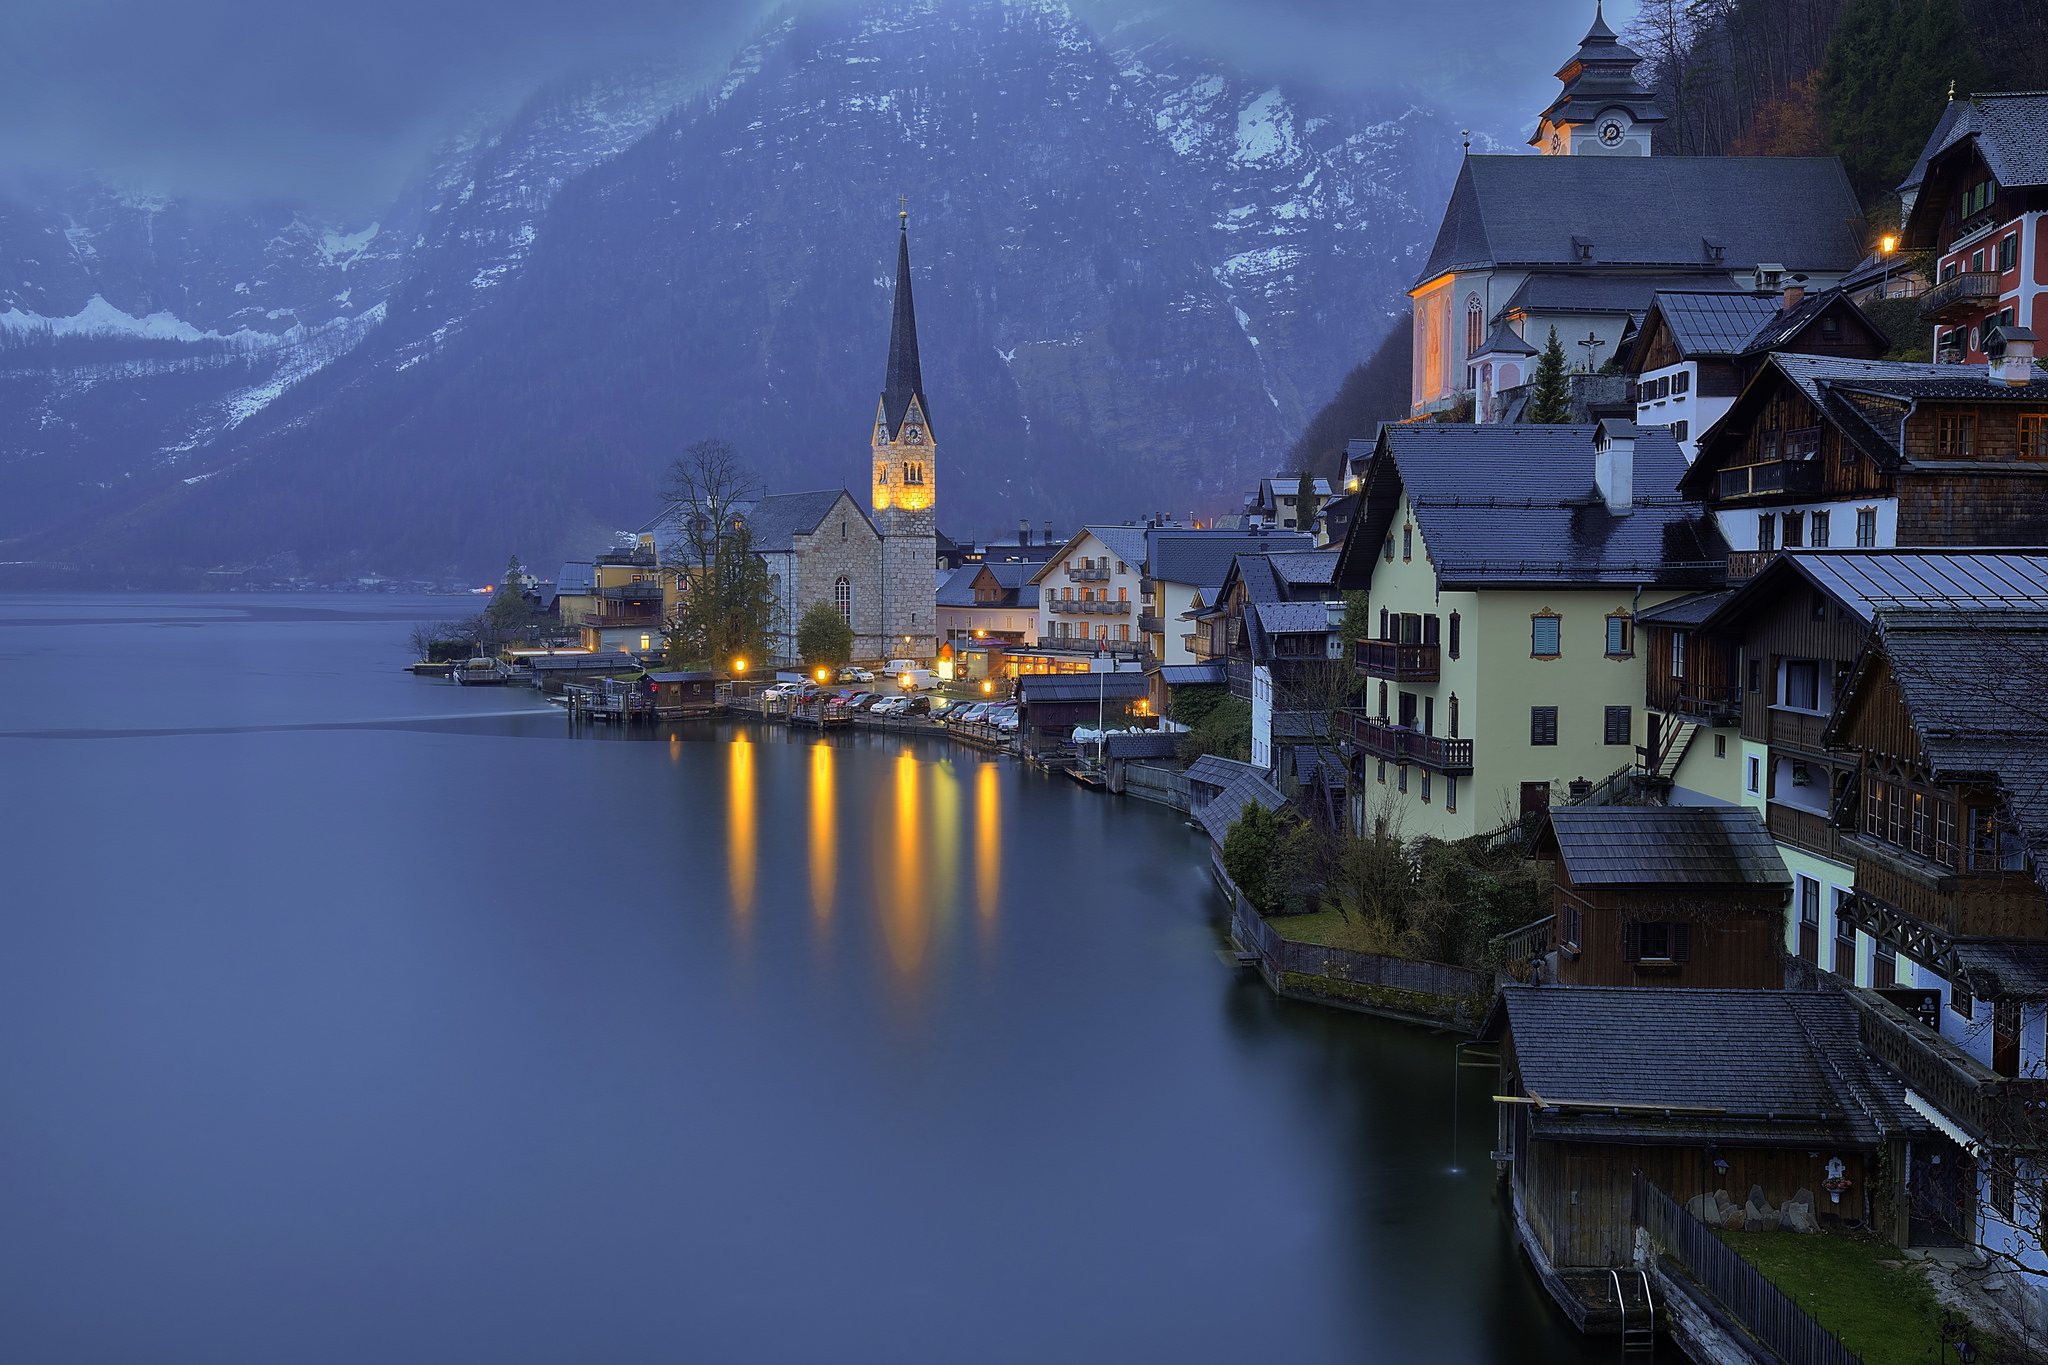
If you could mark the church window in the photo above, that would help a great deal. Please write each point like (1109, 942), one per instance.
(842, 530)
(842, 596)
(1475, 320)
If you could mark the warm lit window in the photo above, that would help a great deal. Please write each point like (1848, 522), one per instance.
(1546, 631)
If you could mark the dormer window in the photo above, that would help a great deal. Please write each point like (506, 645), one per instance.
(1582, 248)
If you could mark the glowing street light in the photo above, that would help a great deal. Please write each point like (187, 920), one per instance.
(739, 665)
(1889, 244)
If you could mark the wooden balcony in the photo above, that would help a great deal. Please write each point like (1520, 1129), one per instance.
(1804, 829)
(1397, 662)
(1707, 703)
(1744, 565)
(1959, 297)
(1778, 476)
(1399, 744)
(1074, 606)
(1977, 1099)
(1965, 904)
(1795, 730)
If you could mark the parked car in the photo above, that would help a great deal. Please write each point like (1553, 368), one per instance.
(859, 675)
(888, 706)
(968, 714)
(942, 707)
(779, 691)
(853, 701)
(916, 706)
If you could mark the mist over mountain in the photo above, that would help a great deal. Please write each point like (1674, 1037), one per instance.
(1138, 275)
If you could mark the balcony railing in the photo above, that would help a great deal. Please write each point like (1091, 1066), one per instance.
(1240, 674)
(1395, 661)
(1704, 702)
(621, 620)
(1151, 625)
(1779, 476)
(1744, 565)
(1955, 299)
(1452, 757)
(1980, 1101)
(1089, 575)
(1077, 607)
(1803, 829)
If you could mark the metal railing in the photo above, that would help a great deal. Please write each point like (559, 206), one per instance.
(1740, 1288)
(1400, 662)
(1077, 606)
(1151, 625)
(1777, 476)
(1958, 294)
(1089, 575)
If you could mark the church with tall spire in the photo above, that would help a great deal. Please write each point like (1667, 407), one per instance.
(905, 458)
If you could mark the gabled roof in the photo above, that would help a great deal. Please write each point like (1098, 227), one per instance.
(1649, 211)
(1150, 744)
(1213, 770)
(1688, 610)
(1223, 810)
(1009, 575)
(1193, 675)
(2004, 969)
(776, 520)
(1503, 341)
(1781, 329)
(1293, 618)
(1777, 1067)
(577, 579)
(2011, 130)
(1065, 687)
(1125, 542)
(1516, 505)
(1202, 558)
(1863, 582)
(1868, 400)
(1662, 845)
(1973, 677)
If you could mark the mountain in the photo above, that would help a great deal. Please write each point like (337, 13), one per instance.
(1138, 275)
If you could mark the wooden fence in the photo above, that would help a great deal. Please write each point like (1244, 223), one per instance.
(1741, 1289)
(1154, 783)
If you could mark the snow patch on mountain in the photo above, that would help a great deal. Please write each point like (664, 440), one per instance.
(102, 319)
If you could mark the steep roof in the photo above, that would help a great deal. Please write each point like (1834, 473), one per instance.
(1555, 292)
(1216, 771)
(1149, 744)
(904, 379)
(1649, 211)
(578, 579)
(1663, 845)
(1512, 505)
(1503, 341)
(2011, 130)
(1202, 558)
(1220, 812)
(1778, 1066)
(777, 519)
(1125, 542)
(1065, 687)
(1293, 618)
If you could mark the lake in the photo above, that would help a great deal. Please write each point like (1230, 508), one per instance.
(347, 1016)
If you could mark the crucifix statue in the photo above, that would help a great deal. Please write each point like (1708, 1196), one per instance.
(1592, 343)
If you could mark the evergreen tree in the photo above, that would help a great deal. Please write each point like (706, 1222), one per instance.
(1305, 502)
(1888, 71)
(823, 638)
(511, 615)
(1552, 401)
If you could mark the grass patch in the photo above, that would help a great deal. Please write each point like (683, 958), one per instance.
(1325, 928)
(1883, 1314)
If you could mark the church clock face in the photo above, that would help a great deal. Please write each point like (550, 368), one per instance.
(1556, 142)
(1610, 132)
(913, 436)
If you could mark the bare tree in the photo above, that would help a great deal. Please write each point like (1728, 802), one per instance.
(709, 487)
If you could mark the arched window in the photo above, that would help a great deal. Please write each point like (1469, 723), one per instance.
(1475, 321)
(842, 596)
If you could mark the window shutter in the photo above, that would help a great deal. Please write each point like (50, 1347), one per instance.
(1630, 942)
(1681, 941)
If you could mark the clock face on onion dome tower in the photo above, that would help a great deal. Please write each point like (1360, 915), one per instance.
(1602, 110)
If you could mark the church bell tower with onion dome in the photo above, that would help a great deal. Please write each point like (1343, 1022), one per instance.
(905, 488)
(1602, 110)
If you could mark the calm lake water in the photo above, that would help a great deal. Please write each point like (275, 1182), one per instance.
(349, 1017)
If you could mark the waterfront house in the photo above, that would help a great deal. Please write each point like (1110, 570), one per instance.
(1090, 591)
(1978, 200)
(1819, 452)
(1506, 567)
(1695, 351)
(1702, 1091)
(1665, 896)
(1271, 506)
(1740, 694)
(1274, 625)
(685, 693)
(1218, 791)
(1581, 237)
(1055, 705)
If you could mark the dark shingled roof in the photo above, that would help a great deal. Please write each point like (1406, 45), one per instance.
(1504, 341)
(905, 378)
(578, 579)
(1974, 679)
(2004, 969)
(1222, 811)
(1202, 558)
(1782, 1066)
(1125, 542)
(1215, 771)
(2011, 132)
(1525, 210)
(1547, 292)
(1501, 505)
(1862, 581)
(1060, 687)
(1293, 618)
(1192, 675)
(776, 520)
(1688, 610)
(1713, 323)
(1142, 746)
(1661, 845)
(1012, 576)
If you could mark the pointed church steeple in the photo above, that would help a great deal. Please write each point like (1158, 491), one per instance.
(904, 382)
(1603, 109)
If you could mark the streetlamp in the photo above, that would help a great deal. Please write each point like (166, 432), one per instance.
(1886, 245)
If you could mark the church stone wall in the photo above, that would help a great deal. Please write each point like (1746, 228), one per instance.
(823, 557)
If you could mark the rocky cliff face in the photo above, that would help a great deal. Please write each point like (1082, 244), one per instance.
(1137, 274)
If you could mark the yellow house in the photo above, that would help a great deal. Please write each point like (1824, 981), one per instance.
(1505, 567)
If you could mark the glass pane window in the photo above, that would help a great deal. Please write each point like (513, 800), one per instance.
(1820, 530)
(1866, 528)
(1956, 434)
(1618, 642)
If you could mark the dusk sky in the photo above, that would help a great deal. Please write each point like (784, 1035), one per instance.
(338, 105)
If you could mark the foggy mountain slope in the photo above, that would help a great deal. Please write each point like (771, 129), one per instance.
(1137, 275)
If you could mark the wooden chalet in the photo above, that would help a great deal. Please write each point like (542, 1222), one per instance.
(1697, 350)
(685, 693)
(1055, 704)
(1702, 1091)
(1820, 452)
(1665, 896)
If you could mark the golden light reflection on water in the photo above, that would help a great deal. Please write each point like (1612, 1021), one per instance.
(988, 844)
(740, 819)
(945, 857)
(824, 834)
(906, 918)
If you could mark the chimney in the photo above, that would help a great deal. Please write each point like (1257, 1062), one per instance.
(1795, 294)
(1023, 530)
(1048, 533)
(2012, 355)
(1614, 464)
